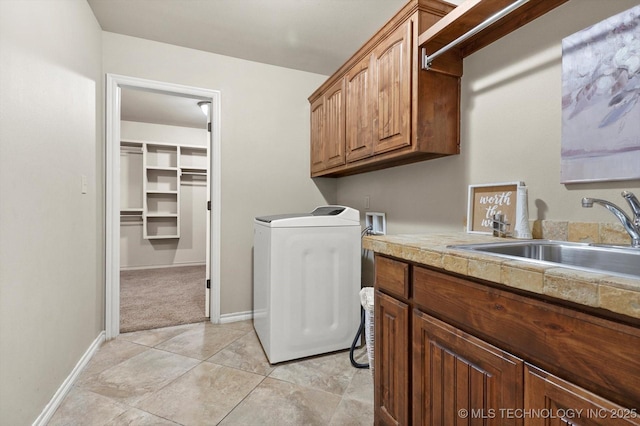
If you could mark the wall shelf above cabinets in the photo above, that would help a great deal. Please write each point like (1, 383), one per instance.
(150, 186)
(467, 18)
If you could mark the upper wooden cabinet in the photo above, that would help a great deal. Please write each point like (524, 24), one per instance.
(392, 90)
(394, 113)
(334, 125)
(359, 126)
(317, 136)
(327, 129)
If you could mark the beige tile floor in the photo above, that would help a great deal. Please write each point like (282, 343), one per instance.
(205, 374)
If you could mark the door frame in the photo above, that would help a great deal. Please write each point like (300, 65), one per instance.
(114, 83)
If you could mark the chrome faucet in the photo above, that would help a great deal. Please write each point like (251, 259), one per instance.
(632, 226)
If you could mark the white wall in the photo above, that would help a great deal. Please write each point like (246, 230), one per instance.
(135, 251)
(51, 235)
(511, 130)
(265, 141)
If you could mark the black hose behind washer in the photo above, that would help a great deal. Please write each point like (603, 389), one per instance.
(365, 231)
(355, 341)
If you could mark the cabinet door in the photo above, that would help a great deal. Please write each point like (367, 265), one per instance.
(334, 125)
(551, 401)
(459, 379)
(317, 136)
(392, 102)
(359, 117)
(391, 358)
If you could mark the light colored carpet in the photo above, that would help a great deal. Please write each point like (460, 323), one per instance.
(162, 297)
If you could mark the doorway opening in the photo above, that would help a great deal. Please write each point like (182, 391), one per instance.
(163, 176)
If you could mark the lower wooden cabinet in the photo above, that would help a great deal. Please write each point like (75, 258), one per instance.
(459, 378)
(457, 351)
(391, 366)
(551, 401)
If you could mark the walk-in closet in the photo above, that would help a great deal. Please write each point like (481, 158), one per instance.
(163, 212)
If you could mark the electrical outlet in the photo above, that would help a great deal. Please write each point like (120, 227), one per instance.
(83, 184)
(367, 202)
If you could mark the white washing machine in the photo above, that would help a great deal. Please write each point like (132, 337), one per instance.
(306, 282)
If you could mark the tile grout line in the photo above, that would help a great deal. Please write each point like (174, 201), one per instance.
(242, 400)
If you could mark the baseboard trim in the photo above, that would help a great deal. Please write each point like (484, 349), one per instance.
(236, 316)
(64, 389)
(175, 265)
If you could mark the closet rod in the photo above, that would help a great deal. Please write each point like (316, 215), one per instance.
(427, 59)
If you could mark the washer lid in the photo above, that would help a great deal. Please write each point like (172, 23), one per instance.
(321, 216)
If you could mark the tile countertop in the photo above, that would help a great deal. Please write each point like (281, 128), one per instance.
(599, 290)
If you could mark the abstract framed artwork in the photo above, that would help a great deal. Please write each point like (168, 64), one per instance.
(601, 101)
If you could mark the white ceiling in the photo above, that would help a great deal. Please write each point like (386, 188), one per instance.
(310, 35)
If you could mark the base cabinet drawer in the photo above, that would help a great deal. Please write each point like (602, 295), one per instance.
(392, 276)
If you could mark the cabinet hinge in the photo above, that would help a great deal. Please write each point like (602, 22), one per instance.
(208, 205)
(209, 127)
(208, 283)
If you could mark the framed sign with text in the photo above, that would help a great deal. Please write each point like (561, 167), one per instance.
(488, 199)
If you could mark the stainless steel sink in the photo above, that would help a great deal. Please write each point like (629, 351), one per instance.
(615, 260)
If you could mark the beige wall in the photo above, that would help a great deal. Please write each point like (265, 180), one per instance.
(190, 248)
(265, 141)
(511, 128)
(51, 235)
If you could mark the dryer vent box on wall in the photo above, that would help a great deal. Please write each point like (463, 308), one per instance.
(376, 222)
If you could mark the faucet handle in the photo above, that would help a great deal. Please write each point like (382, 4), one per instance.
(633, 203)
